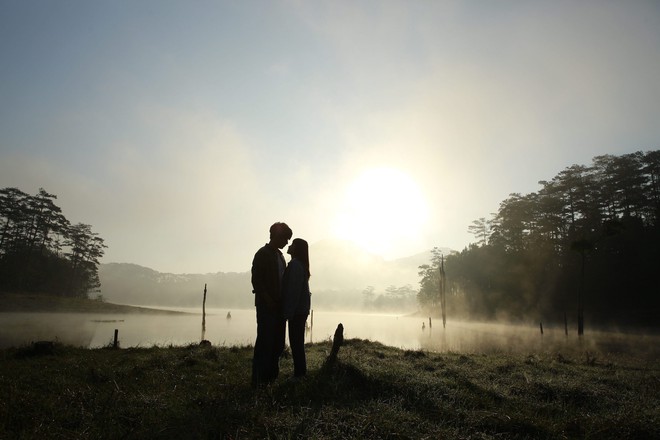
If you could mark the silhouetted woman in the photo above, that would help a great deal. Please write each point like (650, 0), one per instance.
(296, 302)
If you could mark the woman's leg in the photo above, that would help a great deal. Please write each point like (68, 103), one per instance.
(297, 342)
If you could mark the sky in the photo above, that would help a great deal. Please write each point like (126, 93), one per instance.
(180, 131)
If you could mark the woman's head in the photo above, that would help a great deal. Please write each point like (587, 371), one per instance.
(298, 246)
(299, 249)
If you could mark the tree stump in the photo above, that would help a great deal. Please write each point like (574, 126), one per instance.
(337, 340)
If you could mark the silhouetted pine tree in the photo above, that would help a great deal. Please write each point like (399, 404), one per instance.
(531, 266)
(39, 249)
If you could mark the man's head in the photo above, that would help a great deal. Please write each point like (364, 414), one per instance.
(280, 234)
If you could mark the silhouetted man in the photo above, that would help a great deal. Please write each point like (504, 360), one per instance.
(267, 270)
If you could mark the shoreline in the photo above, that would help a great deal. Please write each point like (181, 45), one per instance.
(42, 303)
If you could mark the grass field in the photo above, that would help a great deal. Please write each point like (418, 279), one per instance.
(372, 391)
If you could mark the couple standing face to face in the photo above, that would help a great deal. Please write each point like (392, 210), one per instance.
(276, 285)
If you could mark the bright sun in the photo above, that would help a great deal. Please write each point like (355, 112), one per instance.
(383, 212)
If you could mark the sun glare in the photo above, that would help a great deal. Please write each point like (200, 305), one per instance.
(383, 212)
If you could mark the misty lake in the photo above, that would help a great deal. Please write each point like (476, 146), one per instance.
(407, 332)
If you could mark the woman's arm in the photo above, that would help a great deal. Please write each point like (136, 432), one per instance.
(294, 284)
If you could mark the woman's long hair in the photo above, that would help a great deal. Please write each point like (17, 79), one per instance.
(301, 252)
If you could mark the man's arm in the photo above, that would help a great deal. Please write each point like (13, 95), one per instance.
(261, 272)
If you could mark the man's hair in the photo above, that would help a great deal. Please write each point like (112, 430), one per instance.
(281, 229)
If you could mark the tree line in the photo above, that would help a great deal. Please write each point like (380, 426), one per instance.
(587, 238)
(41, 251)
(394, 298)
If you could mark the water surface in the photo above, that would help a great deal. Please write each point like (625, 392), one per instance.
(412, 333)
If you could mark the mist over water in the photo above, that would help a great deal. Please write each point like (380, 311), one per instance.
(406, 332)
(23, 328)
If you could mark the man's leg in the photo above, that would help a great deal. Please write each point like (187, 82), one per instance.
(263, 347)
(279, 336)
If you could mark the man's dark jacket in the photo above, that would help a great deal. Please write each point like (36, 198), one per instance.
(266, 284)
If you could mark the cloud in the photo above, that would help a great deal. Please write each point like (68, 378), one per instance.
(182, 161)
(195, 196)
(493, 105)
(176, 204)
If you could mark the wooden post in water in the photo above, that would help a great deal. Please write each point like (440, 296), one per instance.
(204, 314)
(581, 300)
(115, 342)
(442, 285)
(582, 246)
(565, 324)
(541, 325)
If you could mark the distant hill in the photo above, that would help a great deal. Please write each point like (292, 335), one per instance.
(340, 272)
(34, 302)
(125, 283)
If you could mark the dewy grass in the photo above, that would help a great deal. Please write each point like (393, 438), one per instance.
(373, 391)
